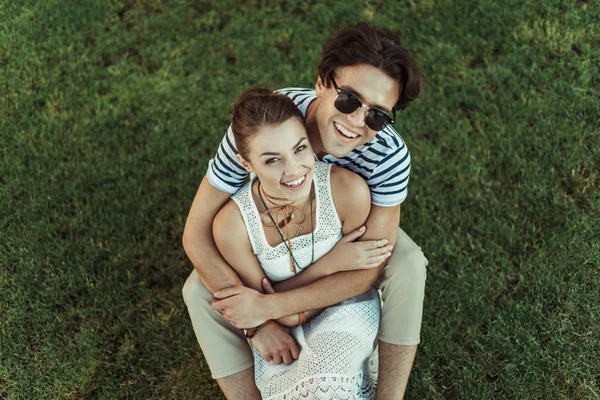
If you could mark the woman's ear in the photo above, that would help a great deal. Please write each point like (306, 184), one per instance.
(244, 163)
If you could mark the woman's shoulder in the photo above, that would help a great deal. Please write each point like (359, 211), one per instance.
(229, 223)
(350, 192)
(344, 180)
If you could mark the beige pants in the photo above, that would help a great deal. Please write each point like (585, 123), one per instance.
(402, 286)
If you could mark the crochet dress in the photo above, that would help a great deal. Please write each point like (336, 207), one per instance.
(336, 346)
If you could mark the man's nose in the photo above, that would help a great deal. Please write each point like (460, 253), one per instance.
(358, 117)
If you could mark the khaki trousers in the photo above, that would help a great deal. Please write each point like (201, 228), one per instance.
(402, 287)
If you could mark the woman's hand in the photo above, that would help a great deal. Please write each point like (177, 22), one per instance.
(348, 255)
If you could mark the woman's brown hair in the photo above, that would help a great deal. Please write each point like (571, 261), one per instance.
(365, 44)
(255, 108)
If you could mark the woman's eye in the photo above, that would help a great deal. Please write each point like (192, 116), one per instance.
(271, 161)
(300, 148)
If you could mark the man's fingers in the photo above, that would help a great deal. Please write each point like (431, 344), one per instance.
(220, 305)
(227, 292)
(295, 351)
(355, 234)
(276, 359)
(286, 358)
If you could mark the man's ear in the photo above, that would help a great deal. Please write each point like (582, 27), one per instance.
(244, 163)
(319, 87)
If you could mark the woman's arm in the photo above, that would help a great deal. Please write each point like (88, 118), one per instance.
(273, 342)
(231, 238)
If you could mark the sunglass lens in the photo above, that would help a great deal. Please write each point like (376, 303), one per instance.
(346, 104)
(376, 120)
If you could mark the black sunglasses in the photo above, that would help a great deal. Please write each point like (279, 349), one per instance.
(346, 103)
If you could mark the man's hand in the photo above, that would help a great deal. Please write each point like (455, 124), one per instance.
(241, 306)
(348, 255)
(274, 343)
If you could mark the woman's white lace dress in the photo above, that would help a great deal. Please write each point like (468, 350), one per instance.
(336, 346)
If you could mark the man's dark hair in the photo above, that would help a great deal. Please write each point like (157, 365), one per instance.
(365, 44)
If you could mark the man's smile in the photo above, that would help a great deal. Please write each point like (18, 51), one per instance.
(343, 131)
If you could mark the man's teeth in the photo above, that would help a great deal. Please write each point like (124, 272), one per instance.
(296, 182)
(345, 131)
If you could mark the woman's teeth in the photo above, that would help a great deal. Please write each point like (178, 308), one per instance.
(296, 182)
(345, 131)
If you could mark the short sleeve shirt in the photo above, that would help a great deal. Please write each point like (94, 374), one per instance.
(384, 162)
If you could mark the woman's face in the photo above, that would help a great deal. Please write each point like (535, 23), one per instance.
(283, 160)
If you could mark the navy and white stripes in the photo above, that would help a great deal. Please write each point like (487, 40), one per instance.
(384, 162)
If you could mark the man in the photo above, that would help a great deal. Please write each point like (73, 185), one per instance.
(364, 76)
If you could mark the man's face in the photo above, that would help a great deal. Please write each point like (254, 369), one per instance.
(339, 132)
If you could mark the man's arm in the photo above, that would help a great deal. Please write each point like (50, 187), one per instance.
(198, 241)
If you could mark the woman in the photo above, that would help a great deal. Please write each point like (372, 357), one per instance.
(278, 225)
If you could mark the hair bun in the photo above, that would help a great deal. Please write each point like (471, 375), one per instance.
(252, 93)
(259, 107)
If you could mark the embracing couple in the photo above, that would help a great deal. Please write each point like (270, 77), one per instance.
(283, 296)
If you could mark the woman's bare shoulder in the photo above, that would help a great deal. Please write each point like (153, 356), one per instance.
(229, 224)
(350, 192)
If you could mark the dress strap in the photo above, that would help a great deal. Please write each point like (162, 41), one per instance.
(244, 201)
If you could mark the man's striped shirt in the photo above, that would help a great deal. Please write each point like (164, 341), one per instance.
(384, 162)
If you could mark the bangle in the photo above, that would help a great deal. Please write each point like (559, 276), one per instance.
(250, 333)
(301, 317)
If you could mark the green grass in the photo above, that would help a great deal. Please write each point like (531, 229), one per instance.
(111, 110)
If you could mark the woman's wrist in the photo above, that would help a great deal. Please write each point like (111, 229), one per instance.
(331, 263)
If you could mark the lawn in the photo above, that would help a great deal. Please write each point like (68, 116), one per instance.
(110, 111)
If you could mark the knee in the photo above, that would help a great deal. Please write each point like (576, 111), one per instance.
(416, 263)
(194, 292)
(407, 269)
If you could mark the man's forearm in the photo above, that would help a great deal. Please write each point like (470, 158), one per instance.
(213, 270)
(323, 293)
(198, 240)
